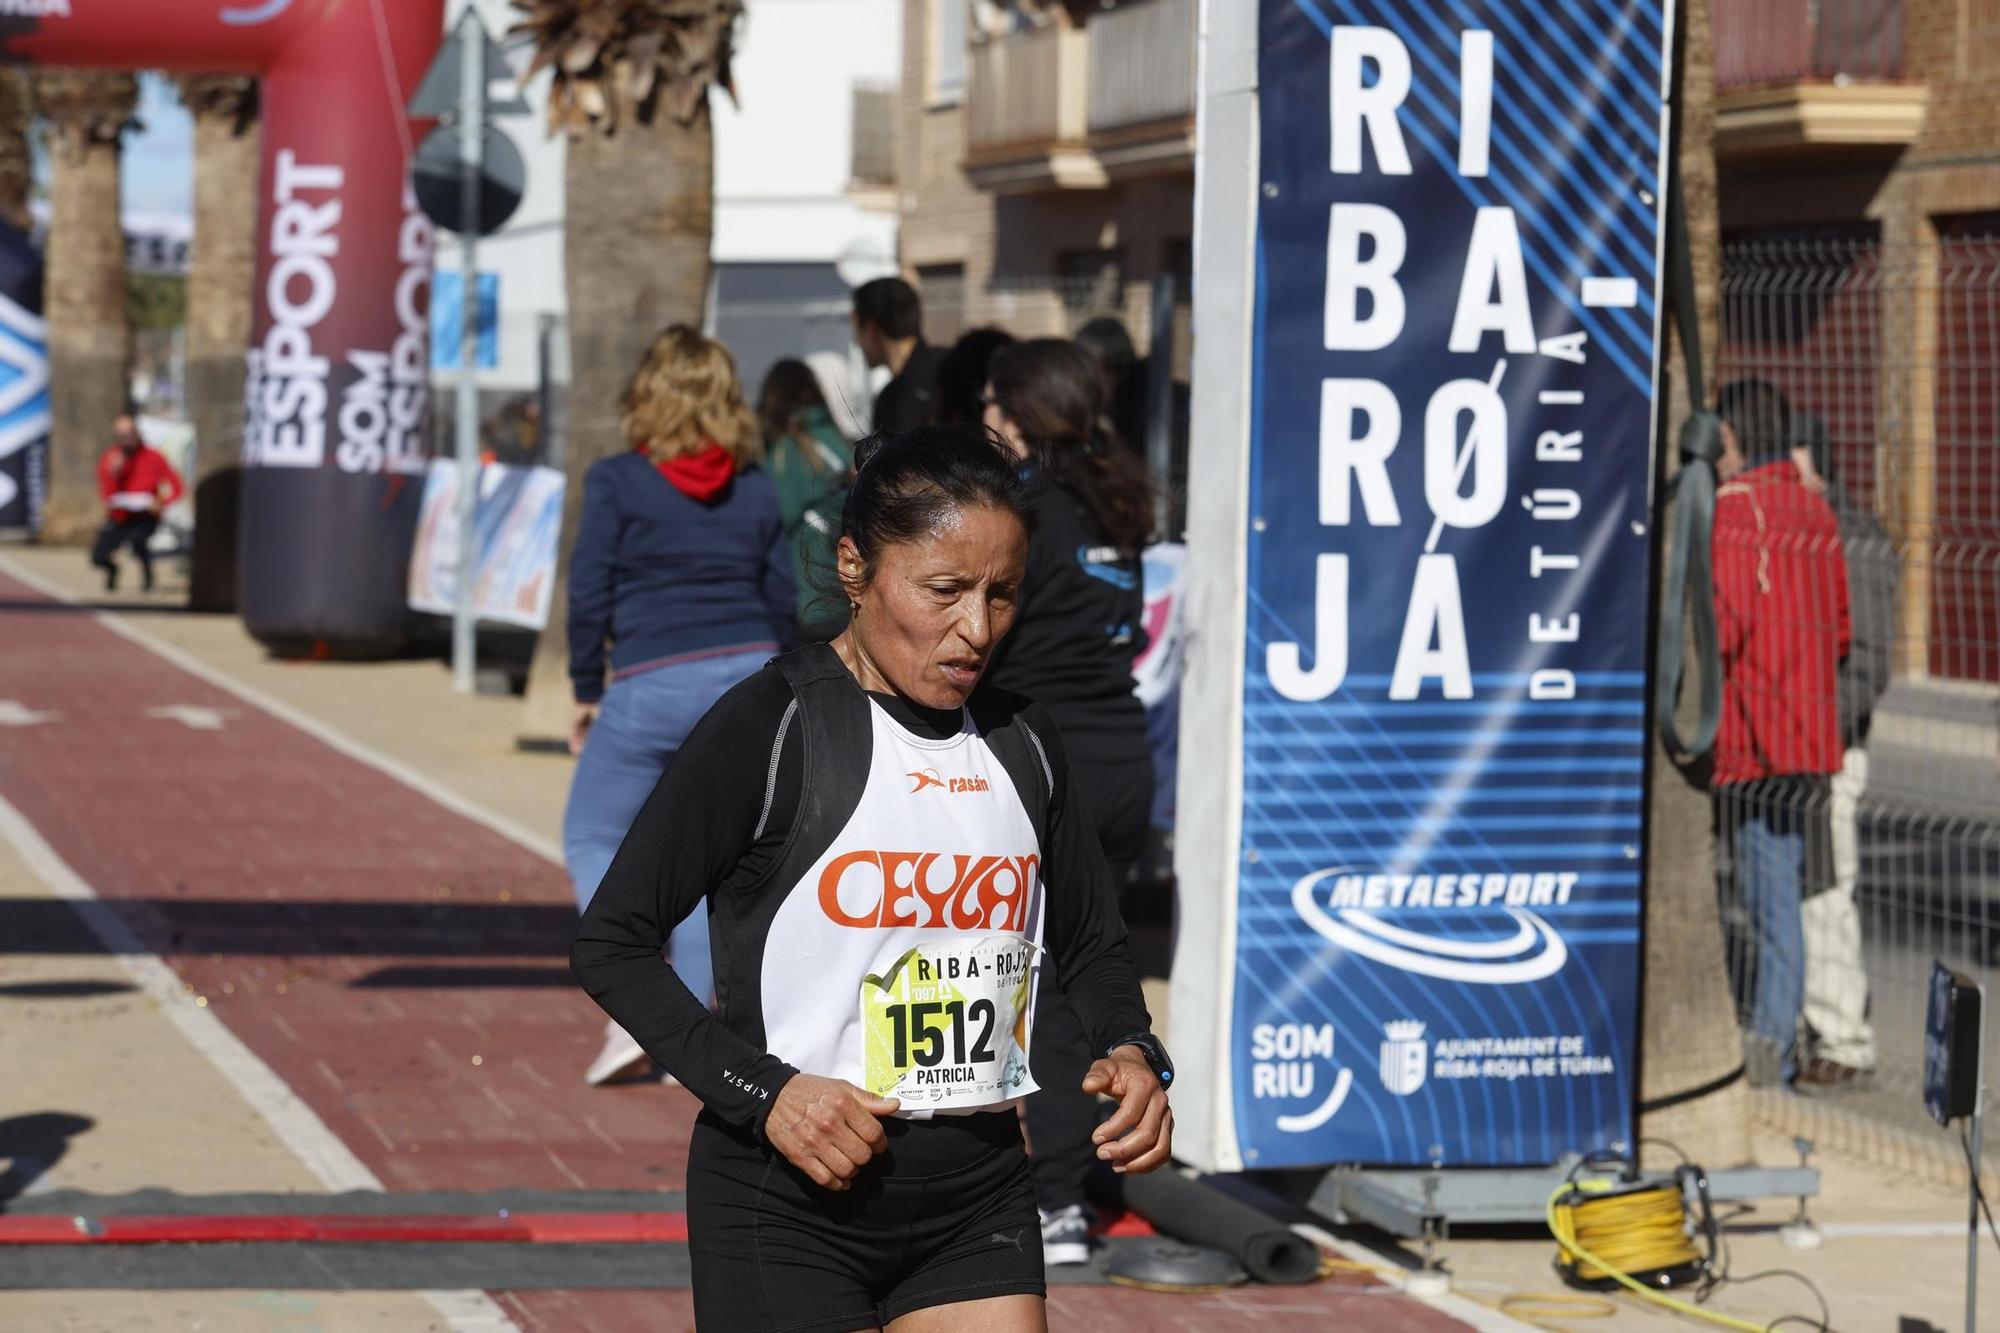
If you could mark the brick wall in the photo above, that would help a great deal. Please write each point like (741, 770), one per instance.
(1953, 46)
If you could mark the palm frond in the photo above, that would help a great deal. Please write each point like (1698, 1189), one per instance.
(616, 60)
(231, 97)
(88, 106)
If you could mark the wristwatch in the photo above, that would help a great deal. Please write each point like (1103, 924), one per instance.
(1156, 1055)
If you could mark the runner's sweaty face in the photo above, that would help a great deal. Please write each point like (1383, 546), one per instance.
(932, 611)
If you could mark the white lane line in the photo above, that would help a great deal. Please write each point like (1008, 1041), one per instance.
(1482, 1318)
(515, 833)
(297, 1126)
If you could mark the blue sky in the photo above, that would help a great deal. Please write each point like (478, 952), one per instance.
(159, 163)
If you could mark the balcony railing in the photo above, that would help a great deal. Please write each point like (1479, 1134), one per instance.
(1026, 118)
(1142, 70)
(1027, 90)
(1759, 43)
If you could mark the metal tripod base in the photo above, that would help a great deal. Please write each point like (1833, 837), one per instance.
(1409, 1203)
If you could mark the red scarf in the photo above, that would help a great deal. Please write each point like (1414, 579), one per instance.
(701, 475)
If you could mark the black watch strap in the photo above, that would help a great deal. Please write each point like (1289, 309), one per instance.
(1156, 1055)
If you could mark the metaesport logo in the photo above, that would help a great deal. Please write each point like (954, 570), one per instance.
(1345, 913)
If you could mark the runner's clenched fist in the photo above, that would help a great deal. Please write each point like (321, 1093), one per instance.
(827, 1127)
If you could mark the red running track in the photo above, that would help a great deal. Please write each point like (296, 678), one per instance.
(261, 1228)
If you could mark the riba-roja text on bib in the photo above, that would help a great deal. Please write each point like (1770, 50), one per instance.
(946, 1026)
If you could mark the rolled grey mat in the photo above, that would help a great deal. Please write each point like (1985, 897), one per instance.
(1189, 1210)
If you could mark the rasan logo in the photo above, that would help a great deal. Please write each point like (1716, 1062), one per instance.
(929, 779)
(1341, 905)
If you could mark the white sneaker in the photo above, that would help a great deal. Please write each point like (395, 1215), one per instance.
(1066, 1236)
(621, 1057)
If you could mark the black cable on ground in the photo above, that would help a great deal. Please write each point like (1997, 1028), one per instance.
(1824, 1324)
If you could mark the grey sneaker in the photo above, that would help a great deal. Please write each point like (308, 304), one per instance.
(1066, 1236)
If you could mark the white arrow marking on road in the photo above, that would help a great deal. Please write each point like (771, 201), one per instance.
(14, 713)
(191, 716)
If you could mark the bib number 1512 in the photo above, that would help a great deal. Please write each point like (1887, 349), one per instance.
(929, 1026)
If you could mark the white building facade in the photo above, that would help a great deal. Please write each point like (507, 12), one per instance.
(805, 201)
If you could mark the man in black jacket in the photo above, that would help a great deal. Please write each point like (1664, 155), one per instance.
(1841, 1040)
(888, 327)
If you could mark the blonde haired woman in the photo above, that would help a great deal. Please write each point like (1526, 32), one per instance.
(682, 570)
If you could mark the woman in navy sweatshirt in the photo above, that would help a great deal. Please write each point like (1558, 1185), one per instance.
(682, 569)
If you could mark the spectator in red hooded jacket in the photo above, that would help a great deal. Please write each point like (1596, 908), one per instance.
(1782, 620)
(137, 483)
(682, 576)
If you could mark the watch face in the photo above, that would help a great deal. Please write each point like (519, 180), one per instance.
(1156, 1056)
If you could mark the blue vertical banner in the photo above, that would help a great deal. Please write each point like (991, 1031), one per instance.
(25, 417)
(1437, 943)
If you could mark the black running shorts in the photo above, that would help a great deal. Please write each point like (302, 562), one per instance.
(946, 1215)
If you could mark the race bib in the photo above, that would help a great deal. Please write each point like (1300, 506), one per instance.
(947, 1025)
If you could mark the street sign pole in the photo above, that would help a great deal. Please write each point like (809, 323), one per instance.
(1972, 1239)
(471, 137)
(487, 172)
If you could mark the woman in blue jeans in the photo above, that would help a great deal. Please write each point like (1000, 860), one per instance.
(682, 570)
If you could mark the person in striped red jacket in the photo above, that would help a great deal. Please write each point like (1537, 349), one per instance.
(137, 483)
(1782, 624)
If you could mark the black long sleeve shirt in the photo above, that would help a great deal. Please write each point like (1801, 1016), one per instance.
(715, 828)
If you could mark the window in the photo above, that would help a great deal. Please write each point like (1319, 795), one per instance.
(1965, 472)
(1091, 283)
(873, 153)
(948, 50)
(1180, 263)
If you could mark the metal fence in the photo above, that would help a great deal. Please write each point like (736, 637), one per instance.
(1879, 848)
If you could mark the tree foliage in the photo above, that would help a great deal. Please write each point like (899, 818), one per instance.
(622, 60)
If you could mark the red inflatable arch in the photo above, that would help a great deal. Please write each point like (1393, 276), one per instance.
(336, 394)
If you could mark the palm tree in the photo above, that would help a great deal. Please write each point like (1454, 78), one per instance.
(89, 335)
(1691, 1041)
(631, 92)
(17, 106)
(221, 273)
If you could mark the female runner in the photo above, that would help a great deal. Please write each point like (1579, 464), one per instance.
(891, 860)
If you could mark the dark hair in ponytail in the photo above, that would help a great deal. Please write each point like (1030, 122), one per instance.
(909, 483)
(1054, 391)
(789, 391)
